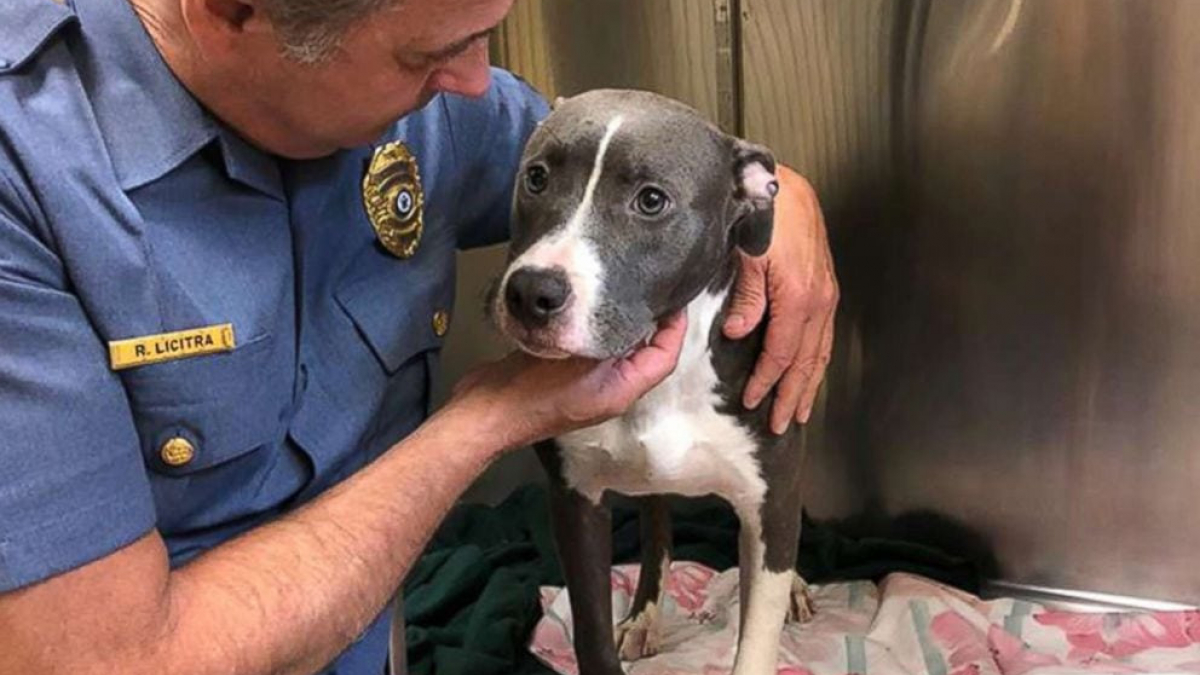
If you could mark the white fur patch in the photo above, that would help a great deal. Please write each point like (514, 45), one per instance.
(569, 249)
(767, 606)
(759, 183)
(673, 440)
(640, 636)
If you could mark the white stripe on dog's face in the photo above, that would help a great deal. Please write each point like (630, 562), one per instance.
(589, 193)
(569, 249)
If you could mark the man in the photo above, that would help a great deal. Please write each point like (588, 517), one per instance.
(214, 378)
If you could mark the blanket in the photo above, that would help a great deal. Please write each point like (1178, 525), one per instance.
(472, 601)
(905, 624)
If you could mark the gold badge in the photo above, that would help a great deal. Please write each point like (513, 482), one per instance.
(394, 200)
(141, 351)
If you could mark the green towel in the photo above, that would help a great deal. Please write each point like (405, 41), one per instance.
(471, 601)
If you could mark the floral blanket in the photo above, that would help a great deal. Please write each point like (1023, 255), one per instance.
(907, 624)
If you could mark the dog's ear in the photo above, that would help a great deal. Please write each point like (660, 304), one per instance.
(754, 190)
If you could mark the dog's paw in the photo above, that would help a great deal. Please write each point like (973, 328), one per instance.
(639, 636)
(800, 608)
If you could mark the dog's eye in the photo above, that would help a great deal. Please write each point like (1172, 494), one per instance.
(536, 179)
(651, 201)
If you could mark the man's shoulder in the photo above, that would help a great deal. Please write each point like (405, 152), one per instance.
(45, 112)
(27, 27)
(38, 80)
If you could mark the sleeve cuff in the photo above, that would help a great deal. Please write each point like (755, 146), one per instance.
(41, 550)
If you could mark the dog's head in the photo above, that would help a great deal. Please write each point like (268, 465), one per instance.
(626, 207)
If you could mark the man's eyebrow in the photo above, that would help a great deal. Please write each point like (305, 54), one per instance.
(460, 46)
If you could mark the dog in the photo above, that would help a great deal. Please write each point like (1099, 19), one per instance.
(628, 207)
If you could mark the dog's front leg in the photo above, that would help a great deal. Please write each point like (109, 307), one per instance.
(767, 559)
(583, 539)
(640, 634)
(583, 531)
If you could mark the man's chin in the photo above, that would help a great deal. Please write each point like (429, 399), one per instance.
(381, 131)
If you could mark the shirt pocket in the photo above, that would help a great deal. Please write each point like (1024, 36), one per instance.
(223, 405)
(366, 368)
(401, 308)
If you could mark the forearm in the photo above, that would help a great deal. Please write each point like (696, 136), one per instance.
(283, 599)
(289, 596)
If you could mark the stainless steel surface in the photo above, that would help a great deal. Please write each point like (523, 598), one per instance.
(818, 78)
(1080, 601)
(397, 644)
(1010, 186)
(1031, 339)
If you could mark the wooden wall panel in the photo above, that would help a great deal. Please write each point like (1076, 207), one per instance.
(817, 85)
(563, 48)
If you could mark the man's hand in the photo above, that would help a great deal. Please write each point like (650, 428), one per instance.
(532, 399)
(795, 281)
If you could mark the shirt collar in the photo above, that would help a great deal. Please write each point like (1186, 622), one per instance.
(150, 122)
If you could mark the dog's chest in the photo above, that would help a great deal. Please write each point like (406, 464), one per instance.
(674, 440)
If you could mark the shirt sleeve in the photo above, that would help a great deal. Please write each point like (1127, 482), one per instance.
(489, 138)
(73, 485)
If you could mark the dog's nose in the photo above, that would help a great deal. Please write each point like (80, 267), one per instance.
(535, 295)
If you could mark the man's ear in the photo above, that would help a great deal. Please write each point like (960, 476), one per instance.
(222, 26)
(754, 190)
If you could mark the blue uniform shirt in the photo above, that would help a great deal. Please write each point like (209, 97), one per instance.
(127, 210)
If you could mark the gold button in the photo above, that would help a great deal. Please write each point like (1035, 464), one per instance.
(441, 323)
(177, 452)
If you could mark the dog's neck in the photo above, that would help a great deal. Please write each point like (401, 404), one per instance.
(725, 275)
(727, 272)
(706, 310)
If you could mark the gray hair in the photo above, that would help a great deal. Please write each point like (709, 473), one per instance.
(311, 30)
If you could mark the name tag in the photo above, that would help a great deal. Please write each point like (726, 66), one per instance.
(182, 344)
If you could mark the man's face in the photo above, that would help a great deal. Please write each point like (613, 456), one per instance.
(388, 65)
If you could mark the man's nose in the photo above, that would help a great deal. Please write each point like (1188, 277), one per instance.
(468, 74)
(535, 295)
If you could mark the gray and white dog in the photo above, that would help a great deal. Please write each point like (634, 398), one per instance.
(630, 207)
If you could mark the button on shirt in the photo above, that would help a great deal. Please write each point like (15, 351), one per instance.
(126, 211)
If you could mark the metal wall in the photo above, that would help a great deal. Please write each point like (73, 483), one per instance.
(1011, 191)
(1035, 343)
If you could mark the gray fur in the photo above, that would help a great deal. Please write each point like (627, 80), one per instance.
(722, 201)
(659, 264)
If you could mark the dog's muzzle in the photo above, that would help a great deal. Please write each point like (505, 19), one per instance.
(536, 309)
(536, 295)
